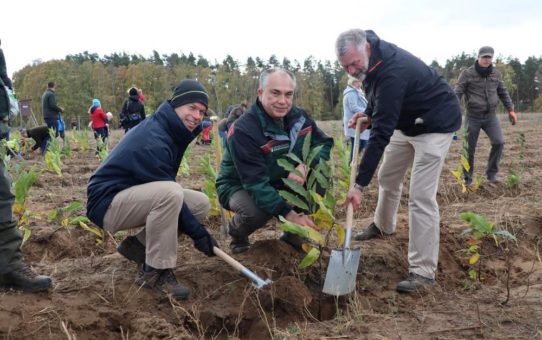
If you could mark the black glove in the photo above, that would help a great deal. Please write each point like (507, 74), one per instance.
(205, 244)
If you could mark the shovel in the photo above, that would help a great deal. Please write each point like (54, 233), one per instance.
(343, 263)
(257, 281)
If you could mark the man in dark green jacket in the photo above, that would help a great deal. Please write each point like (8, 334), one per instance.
(250, 176)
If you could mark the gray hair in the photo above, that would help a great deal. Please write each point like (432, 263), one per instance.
(265, 74)
(354, 37)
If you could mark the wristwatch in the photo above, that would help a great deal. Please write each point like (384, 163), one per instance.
(359, 187)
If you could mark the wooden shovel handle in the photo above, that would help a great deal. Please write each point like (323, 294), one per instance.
(353, 173)
(230, 260)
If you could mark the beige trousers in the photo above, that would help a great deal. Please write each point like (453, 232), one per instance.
(426, 154)
(156, 206)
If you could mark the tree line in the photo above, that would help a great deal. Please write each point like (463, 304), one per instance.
(84, 76)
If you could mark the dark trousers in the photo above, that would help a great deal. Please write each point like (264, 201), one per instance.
(51, 123)
(491, 126)
(248, 217)
(10, 236)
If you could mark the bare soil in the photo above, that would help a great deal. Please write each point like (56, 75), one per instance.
(94, 295)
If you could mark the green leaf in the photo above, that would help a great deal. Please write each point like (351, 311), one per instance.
(324, 183)
(303, 231)
(72, 206)
(306, 146)
(53, 215)
(293, 199)
(329, 201)
(283, 163)
(293, 157)
(311, 180)
(297, 188)
(311, 257)
(76, 220)
(505, 233)
(26, 235)
(472, 274)
(314, 152)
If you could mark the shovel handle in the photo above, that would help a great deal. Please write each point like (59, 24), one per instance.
(353, 173)
(256, 280)
(228, 259)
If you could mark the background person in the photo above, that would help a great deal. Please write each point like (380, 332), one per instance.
(51, 110)
(482, 86)
(133, 111)
(40, 135)
(354, 101)
(99, 120)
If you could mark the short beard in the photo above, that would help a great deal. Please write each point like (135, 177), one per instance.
(363, 73)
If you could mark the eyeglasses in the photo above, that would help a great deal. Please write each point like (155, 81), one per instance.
(487, 57)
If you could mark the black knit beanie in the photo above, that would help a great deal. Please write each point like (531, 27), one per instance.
(189, 91)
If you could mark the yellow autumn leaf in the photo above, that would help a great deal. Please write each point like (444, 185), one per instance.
(340, 233)
(474, 258)
(322, 218)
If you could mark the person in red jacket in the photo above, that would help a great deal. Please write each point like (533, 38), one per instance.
(99, 119)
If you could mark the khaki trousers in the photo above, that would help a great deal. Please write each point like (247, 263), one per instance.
(426, 154)
(156, 206)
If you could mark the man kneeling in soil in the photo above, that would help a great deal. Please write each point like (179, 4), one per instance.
(135, 186)
(250, 176)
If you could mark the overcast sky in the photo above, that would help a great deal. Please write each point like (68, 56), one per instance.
(431, 29)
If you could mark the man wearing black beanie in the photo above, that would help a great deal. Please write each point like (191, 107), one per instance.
(135, 186)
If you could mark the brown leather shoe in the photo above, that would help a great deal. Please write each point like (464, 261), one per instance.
(26, 280)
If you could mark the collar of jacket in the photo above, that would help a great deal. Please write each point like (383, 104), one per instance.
(293, 122)
(380, 51)
(167, 117)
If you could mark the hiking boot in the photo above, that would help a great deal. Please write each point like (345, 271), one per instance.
(494, 179)
(371, 232)
(239, 242)
(162, 281)
(415, 282)
(26, 280)
(294, 240)
(239, 245)
(132, 249)
(467, 182)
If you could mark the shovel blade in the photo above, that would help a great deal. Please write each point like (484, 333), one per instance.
(342, 271)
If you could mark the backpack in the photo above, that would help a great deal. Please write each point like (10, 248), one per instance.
(9, 107)
(132, 117)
